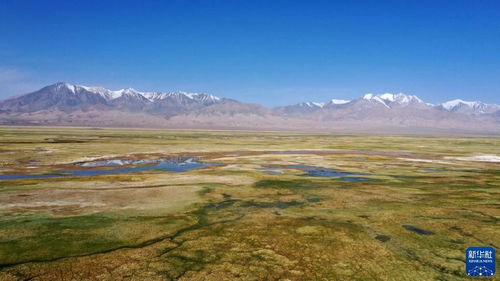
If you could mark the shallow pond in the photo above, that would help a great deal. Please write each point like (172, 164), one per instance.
(382, 238)
(313, 171)
(181, 164)
(124, 162)
(278, 204)
(417, 230)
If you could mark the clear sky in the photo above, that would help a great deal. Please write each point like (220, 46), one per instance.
(270, 52)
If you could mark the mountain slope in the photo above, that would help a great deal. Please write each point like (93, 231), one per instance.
(60, 96)
(300, 108)
(67, 104)
(66, 97)
(468, 107)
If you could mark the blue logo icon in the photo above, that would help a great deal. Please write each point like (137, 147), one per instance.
(480, 261)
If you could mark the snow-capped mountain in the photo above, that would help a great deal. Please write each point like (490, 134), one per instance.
(68, 104)
(386, 100)
(180, 95)
(468, 107)
(309, 107)
(314, 104)
(130, 92)
(300, 108)
(68, 97)
(390, 100)
(337, 101)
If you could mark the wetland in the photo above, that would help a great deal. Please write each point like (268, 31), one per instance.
(113, 204)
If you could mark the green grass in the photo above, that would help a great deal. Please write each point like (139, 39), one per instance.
(294, 185)
(235, 222)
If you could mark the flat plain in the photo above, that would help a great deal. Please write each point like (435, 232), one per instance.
(115, 204)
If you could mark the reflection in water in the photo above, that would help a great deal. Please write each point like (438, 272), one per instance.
(181, 164)
(313, 171)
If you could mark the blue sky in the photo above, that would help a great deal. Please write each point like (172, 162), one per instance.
(270, 52)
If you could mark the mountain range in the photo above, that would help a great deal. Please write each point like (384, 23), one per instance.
(74, 105)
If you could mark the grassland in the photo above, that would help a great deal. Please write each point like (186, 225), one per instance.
(421, 203)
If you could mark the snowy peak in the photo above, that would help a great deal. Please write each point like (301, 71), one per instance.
(69, 97)
(471, 107)
(386, 100)
(450, 105)
(337, 101)
(65, 86)
(201, 97)
(374, 99)
(307, 106)
(318, 105)
(312, 104)
(105, 93)
(180, 95)
(153, 96)
(300, 108)
(401, 98)
(390, 100)
(130, 93)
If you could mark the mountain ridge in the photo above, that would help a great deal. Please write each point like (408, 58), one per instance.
(66, 104)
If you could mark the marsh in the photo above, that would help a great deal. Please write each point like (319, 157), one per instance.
(162, 205)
